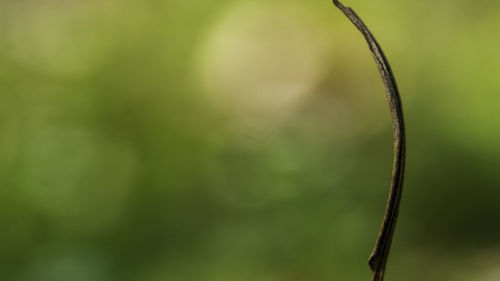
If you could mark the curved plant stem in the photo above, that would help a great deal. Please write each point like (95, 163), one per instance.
(378, 257)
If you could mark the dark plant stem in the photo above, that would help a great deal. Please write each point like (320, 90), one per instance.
(378, 258)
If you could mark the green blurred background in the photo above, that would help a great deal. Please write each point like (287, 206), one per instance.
(244, 140)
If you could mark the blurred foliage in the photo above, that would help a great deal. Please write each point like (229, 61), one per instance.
(244, 140)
